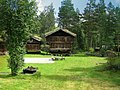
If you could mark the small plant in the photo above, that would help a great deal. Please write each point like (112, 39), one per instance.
(45, 48)
(91, 50)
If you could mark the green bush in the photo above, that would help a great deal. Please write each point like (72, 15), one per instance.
(111, 54)
(113, 63)
(91, 50)
(45, 48)
(102, 52)
(113, 60)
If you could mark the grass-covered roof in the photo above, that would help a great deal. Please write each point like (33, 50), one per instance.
(58, 29)
(37, 38)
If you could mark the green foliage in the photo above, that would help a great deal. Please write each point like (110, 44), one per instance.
(79, 40)
(17, 19)
(111, 54)
(75, 46)
(45, 48)
(113, 63)
(117, 31)
(90, 25)
(100, 24)
(110, 26)
(91, 50)
(100, 13)
(113, 60)
(16, 61)
(102, 51)
(67, 15)
(47, 20)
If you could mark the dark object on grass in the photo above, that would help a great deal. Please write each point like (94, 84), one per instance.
(30, 70)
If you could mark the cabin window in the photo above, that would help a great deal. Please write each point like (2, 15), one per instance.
(50, 39)
(63, 39)
(32, 46)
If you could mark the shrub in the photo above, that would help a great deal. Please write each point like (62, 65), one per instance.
(113, 63)
(113, 60)
(45, 48)
(102, 52)
(111, 54)
(91, 50)
(93, 53)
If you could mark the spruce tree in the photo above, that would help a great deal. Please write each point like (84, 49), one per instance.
(110, 26)
(89, 24)
(67, 15)
(101, 15)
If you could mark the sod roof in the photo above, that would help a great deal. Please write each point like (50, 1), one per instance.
(58, 29)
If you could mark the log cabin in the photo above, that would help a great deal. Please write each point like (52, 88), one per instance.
(33, 44)
(60, 41)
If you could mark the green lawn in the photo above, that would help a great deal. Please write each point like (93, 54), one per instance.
(75, 73)
(37, 56)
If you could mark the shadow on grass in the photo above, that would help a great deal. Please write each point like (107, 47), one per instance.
(5, 75)
(64, 77)
(89, 75)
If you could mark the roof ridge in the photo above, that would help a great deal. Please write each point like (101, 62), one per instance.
(57, 29)
(37, 38)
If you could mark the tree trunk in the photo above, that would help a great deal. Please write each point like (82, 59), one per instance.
(13, 72)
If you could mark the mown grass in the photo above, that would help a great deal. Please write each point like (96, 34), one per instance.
(37, 56)
(77, 72)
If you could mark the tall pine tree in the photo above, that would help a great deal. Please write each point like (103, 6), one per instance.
(67, 15)
(47, 19)
(101, 19)
(110, 26)
(90, 24)
(117, 29)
